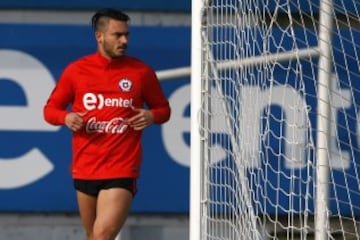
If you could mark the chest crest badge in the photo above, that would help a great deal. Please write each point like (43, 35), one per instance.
(125, 85)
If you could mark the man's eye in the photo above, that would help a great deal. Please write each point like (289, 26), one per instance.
(122, 34)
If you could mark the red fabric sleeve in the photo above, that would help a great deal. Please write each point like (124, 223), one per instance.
(55, 109)
(155, 98)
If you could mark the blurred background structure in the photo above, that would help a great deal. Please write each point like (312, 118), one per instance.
(39, 38)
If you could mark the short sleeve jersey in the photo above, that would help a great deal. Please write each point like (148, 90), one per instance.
(103, 92)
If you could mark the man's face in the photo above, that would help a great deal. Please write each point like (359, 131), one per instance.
(114, 39)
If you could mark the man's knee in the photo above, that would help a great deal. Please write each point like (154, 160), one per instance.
(105, 232)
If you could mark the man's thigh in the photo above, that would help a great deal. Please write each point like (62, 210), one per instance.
(87, 209)
(113, 207)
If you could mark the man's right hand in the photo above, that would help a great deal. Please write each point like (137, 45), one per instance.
(74, 121)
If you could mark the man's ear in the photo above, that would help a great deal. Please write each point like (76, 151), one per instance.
(99, 36)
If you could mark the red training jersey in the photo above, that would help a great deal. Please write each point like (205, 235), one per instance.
(105, 91)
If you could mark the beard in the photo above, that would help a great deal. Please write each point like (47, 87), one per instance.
(114, 51)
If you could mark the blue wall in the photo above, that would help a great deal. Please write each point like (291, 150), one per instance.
(164, 184)
(35, 157)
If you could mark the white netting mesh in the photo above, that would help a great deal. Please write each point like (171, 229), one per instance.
(260, 103)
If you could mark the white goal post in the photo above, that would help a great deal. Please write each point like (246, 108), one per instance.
(275, 121)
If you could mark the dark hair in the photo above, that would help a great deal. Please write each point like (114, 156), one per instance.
(102, 16)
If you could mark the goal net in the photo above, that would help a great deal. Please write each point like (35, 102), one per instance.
(275, 119)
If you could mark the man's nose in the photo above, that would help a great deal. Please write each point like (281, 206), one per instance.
(123, 39)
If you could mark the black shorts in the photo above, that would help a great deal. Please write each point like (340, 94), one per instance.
(93, 187)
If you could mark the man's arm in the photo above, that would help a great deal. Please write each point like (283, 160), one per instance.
(156, 99)
(55, 109)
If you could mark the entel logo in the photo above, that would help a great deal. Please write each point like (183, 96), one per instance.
(92, 101)
(250, 117)
(32, 76)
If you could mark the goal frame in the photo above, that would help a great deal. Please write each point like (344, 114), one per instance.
(324, 53)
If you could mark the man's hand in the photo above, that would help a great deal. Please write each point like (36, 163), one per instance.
(142, 119)
(74, 121)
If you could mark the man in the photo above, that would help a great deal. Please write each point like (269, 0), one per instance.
(113, 98)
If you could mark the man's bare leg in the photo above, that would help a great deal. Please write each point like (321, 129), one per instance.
(113, 206)
(87, 208)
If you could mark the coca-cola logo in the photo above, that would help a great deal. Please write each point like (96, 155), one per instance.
(116, 125)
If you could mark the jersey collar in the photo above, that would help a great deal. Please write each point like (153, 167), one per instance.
(104, 61)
